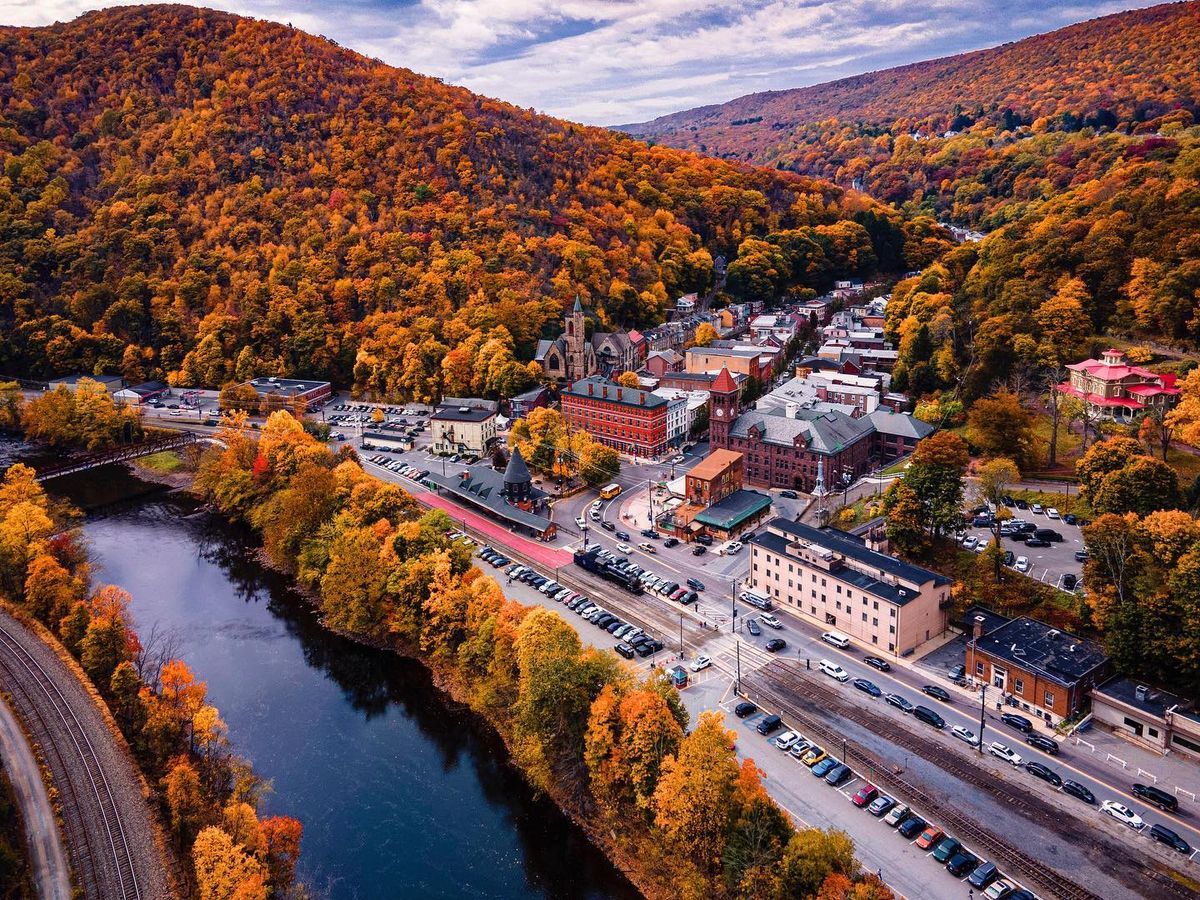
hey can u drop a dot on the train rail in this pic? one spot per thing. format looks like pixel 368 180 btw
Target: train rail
pixel 97 839
pixel 805 702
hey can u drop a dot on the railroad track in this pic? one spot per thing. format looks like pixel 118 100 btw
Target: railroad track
pixel 98 840
pixel 805 701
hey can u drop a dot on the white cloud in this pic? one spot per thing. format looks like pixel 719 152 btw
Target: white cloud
pixel 607 61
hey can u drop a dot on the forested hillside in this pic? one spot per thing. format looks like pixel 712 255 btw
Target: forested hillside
pixel 195 194
pixel 1025 120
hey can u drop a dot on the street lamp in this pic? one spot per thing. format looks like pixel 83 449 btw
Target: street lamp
pixel 681 635
pixel 982 709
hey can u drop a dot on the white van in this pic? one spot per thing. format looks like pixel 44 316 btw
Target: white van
pixel 833 670
pixel 837 639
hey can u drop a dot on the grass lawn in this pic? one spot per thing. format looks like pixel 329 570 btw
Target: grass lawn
pixel 897 468
pixel 165 463
pixel 1068 445
pixel 862 510
pixel 1064 503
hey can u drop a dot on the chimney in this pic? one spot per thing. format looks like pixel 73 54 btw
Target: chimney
pixel 606 391
pixel 978 628
pixel 1052 634
pixel 642 398
pixel 590 389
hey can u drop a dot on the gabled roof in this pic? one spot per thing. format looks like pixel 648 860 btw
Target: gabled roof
pixel 824 431
pixel 724 383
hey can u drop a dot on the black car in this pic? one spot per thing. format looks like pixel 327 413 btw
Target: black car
pixel 1037 770
pixel 644 650
pixel 705 539
pixel 876 663
pixel 899 702
pixel 984 874
pixel 1012 720
pixel 1034 541
pixel 1075 789
pixel 744 709
pixel 695 584
pixel 625 650
pixel 1165 835
pixel 698 550
pixel 623 536
pixel 1009 557
pixel 753 627
pixel 791 495
pixel 1069 518
pixel 1022 504
pixel 1043 743
pixel 961 863
pixel 608 526
pixel 936 692
pixel 775 645
pixel 649 533
pixel 1156 797
pixel 614 626
pixel 911 827
pixel 868 687
pixel 928 716
pixel 838 774
pixel 1069 581
pixel 670 542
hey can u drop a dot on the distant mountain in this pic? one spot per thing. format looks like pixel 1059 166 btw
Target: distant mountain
pixel 190 193
pixel 1137 65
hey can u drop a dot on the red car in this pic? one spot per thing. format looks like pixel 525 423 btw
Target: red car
pixel 865 795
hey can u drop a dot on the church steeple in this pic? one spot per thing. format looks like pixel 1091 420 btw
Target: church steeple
pixel 576 343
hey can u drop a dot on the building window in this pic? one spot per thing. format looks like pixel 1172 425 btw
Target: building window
pixel 1153 732
pixel 874 621
pixel 979 668
pixel 864 617
pixel 891 648
pixel 876 605
pixel 892 612
pixel 813 610
pixel 1185 743
pixel 1049 704
pixel 874 639
pixel 1019 686
pixel 891 629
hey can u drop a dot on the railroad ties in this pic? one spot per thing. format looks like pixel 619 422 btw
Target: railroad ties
pixel 97 841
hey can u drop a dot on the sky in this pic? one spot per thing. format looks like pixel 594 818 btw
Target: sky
pixel 607 62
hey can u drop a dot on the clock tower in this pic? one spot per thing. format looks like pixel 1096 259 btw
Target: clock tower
pixel 723 402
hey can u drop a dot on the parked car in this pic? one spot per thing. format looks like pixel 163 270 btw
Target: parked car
pixel 838 774
pixel 999 890
pixel 1069 581
pixel 769 724
pixel 1052 513
pixel 1165 835
pixel 936 692
pixel 695 584
pixel 833 670
pixel 1022 564
pixel 876 663
pixel 1037 770
pixel 1082 556
pixel 787 740
pixel 744 709
pixel 910 827
pixel 929 837
pixel 624 650
pixel 698 551
pixel 880 805
pixel 1004 752
pixel 1012 720
pixel 1156 797
pixel 1075 789
pixel 1034 541
pixel 899 702
pixel 983 875
pixel 813 755
pixel 868 687
pixel 671 542
pixel 1121 813
pixel 957 674
pixel 928 716
pixel 946 848
pixel 961 863
pixel 970 542
pixel 1042 743
pixel 790 495
pixel 966 735
pixel 897 815
pixel 822 768
pixel 865 795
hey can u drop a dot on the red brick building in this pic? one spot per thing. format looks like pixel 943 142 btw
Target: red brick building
pixel 629 420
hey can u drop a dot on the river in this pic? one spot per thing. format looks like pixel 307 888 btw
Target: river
pixel 402 793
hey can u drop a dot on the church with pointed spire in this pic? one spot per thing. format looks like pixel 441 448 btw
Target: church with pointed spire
pixel 573 355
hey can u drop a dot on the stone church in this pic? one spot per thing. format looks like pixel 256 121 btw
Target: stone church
pixel 572 355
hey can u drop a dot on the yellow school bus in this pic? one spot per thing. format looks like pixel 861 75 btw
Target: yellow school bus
pixel 609 492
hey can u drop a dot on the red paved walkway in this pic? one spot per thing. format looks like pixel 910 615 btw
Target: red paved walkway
pixel 497 535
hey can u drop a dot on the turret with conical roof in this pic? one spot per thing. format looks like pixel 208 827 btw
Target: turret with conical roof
pixel 517 481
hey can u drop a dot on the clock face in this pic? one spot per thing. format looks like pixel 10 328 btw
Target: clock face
pixel 720 412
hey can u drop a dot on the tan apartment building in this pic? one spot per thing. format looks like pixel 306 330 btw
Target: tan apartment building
pixel 835 580
pixel 465 428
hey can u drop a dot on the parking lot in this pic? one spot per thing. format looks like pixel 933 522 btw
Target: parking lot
pixel 1046 564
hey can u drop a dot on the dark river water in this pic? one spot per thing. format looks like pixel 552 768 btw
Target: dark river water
pixel 402 794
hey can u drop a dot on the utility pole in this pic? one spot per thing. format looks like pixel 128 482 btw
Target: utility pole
pixel 738 649
pixel 650 494
pixel 681 635
pixel 733 604
pixel 982 710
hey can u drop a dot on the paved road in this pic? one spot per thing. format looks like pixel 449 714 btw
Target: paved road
pixel 48 859
pixel 107 821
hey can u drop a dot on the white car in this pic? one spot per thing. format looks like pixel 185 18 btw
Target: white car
pixel 579 522
pixel 1052 513
pixel 733 547
pixel 624 548
pixel 970 542
pixel 699 663
pixel 597 504
pixel 770 621
pixel 966 735
pixel 786 740
pixel 1121 813
pixel 1036 509
pixel 1001 887
pixel 677 459
pixel 595 516
pixel 1005 752
pixel 1022 564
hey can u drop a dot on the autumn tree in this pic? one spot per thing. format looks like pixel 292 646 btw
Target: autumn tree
pixel 704 335
pixel 935 476
pixel 1000 426
pixel 224 870
pixel 629 380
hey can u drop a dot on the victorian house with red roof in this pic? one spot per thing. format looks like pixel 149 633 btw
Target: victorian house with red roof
pixel 1114 389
